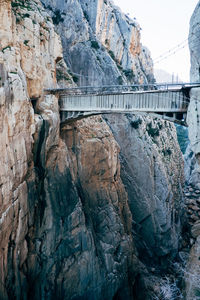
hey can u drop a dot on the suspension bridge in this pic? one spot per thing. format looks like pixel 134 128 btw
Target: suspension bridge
pixel 169 101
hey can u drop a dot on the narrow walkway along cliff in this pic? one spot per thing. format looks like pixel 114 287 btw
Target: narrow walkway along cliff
pixel 93 209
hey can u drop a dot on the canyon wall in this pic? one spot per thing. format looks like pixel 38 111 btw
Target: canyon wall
pixel 101 45
pixel 149 156
pixel 193 163
pixel 193 113
pixel 29 50
pixel 90 209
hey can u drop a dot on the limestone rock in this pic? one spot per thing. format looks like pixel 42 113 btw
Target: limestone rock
pixel 55 241
pixel 148 158
pixel 196 229
pixel 194 108
pixel 194 45
pixel 105 41
pixel 192 276
pixel 68 216
pixel 29 51
pixel 96 173
pixel 193 119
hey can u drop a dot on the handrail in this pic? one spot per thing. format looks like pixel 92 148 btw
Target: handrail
pixel 133 87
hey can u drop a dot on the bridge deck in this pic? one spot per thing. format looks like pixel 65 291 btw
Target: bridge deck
pixel 169 99
pixel 148 101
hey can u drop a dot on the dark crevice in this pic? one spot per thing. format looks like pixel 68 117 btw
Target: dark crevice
pixel 40 170
pixel 34 102
pixel 90 220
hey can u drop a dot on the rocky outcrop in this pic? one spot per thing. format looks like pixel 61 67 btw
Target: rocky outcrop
pixel 149 156
pixel 103 238
pixel 142 191
pixel 192 201
pixel 193 112
pixel 26 68
pixel 193 164
pixel 194 45
pixel 193 273
pixel 101 44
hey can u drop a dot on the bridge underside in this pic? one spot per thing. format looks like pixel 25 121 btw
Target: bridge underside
pixel 176 117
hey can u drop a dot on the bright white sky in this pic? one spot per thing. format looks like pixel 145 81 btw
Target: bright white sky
pixel 165 24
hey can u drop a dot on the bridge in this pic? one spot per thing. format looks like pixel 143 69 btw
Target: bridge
pixel 169 101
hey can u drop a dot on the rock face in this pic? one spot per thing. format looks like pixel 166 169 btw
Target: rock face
pixel 194 45
pixel 101 239
pixel 193 163
pixel 76 220
pixel 148 159
pixel 144 195
pixel 193 273
pixel 26 68
pixel 193 113
pixel 101 44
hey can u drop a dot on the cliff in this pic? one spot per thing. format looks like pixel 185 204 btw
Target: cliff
pixel 29 51
pixel 193 164
pixel 101 45
pixel 193 113
pixel 89 209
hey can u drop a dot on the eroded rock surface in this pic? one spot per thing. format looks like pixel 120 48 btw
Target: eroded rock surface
pixel 193 164
pixel 152 203
pixel 26 68
pixel 101 44
pixel 193 273
pixel 72 209
pixel 149 155
pixel 193 112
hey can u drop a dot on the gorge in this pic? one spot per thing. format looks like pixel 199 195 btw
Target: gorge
pixel 96 208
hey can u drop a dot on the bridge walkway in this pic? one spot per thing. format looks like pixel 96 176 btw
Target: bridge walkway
pixel 171 100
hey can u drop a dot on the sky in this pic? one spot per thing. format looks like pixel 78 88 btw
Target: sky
pixel 165 24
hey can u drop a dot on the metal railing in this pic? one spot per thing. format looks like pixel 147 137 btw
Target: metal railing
pixel 113 89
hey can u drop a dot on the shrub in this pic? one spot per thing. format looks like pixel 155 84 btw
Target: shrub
pixel 120 80
pixel 61 76
pixel 135 124
pixel 119 67
pixel 14 4
pixel 8 47
pixel 95 45
pixel 112 55
pixel 25 16
pixel 152 131
pixel 26 42
pixel 129 74
pixel 57 18
pixel 86 16
pixel 167 152
pixel 75 78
